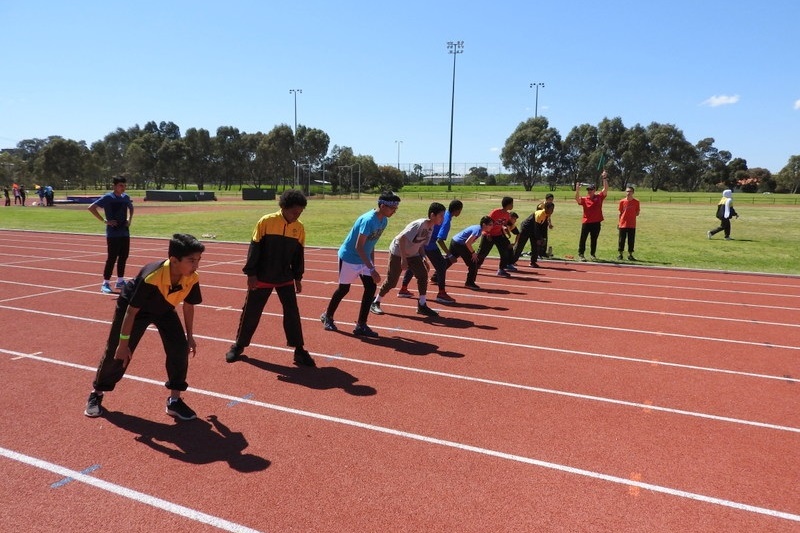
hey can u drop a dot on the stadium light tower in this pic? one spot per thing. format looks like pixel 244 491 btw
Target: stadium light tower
pixel 536 109
pixel 296 165
pixel 398 153
pixel 455 48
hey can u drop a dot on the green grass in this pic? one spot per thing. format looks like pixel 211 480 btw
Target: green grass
pixel 670 233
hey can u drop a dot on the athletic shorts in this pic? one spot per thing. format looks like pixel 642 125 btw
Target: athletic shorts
pixel 349 272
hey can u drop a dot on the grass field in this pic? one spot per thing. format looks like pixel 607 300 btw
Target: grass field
pixel 671 229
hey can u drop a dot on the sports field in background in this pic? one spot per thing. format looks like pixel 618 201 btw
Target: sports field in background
pixel 671 229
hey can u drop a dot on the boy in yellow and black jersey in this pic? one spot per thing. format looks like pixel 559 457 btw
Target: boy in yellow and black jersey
pixel 275 260
pixel 151 298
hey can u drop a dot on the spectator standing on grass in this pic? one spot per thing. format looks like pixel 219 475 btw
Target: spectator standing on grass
pixel 463 245
pixel 725 212
pixel 7 197
pixel 23 195
pixel 151 298
pixel 275 260
pixel 498 238
pixel 117 216
pixel 407 250
pixel 15 190
pixel 433 251
pixel 592 220
pixel 40 193
pixel 357 261
pixel 628 211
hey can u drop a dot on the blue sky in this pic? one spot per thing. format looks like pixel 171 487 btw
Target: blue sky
pixel 373 73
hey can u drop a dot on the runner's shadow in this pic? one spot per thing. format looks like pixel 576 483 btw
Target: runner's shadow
pixel 195 442
pixel 412 347
pixel 323 378
pixel 477 307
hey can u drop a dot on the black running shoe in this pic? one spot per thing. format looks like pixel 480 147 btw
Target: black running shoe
pixel 303 358
pixel 234 354
pixel 178 409
pixel 363 330
pixel 425 310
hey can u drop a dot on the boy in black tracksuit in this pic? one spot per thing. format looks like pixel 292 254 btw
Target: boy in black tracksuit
pixel 275 260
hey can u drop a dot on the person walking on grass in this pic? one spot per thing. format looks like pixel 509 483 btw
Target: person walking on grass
pixel 357 261
pixel 117 216
pixel 151 298
pixel 407 250
pixel 275 260
pixel 433 251
pixel 628 211
pixel 592 220
pixel 725 212
pixel 462 246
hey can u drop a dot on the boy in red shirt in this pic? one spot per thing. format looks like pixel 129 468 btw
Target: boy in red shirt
pixel 592 205
pixel 497 237
pixel 628 211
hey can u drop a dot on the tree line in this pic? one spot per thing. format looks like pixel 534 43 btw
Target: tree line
pixel 657 156
pixel 158 156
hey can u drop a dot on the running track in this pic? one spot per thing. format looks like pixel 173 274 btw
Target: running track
pixel 579 397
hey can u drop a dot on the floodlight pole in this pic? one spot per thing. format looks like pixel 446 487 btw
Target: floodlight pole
pixel 398 153
pixel 296 169
pixel 455 48
pixel 536 109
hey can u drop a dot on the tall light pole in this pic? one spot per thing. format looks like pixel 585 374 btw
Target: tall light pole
pixel 455 48
pixel 536 109
pixel 398 153
pixel 296 168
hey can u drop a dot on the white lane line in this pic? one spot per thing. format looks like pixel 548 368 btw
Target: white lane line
pixel 459 446
pixel 636 360
pixel 158 503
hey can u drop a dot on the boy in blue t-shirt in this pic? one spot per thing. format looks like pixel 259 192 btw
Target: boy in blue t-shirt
pixel 357 260
pixel 462 246
pixel 118 215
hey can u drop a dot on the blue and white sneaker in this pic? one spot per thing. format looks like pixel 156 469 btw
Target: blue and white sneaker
pixel 120 283
pixel 105 288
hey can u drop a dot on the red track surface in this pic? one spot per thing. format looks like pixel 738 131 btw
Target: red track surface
pixel 577 397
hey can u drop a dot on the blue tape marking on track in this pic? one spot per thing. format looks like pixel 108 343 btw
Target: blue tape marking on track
pixel 245 397
pixel 66 480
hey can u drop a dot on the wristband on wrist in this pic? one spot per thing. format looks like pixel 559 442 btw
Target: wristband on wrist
pixel 124 337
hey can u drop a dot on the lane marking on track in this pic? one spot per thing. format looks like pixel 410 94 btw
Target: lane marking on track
pixel 237 402
pixel 451 444
pixel 125 492
pixel 651 362
pixel 66 480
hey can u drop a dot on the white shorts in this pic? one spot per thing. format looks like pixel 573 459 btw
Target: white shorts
pixel 349 272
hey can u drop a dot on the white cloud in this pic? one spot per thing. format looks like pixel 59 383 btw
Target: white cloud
pixel 797 104
pixel 722 99
pixel 494 149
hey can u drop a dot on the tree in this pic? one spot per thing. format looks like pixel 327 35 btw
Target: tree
pixel 712 166
pixel 275 152
pixel 575 158
pixel 671 155
pixel 230 152
pixel 476 175
pixel 390 177
pixel 788 179
pixel 63 161
pixel 532 147
pixel 310 147
pixel 199 164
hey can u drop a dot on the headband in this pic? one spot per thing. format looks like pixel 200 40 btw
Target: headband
pixel 388 204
